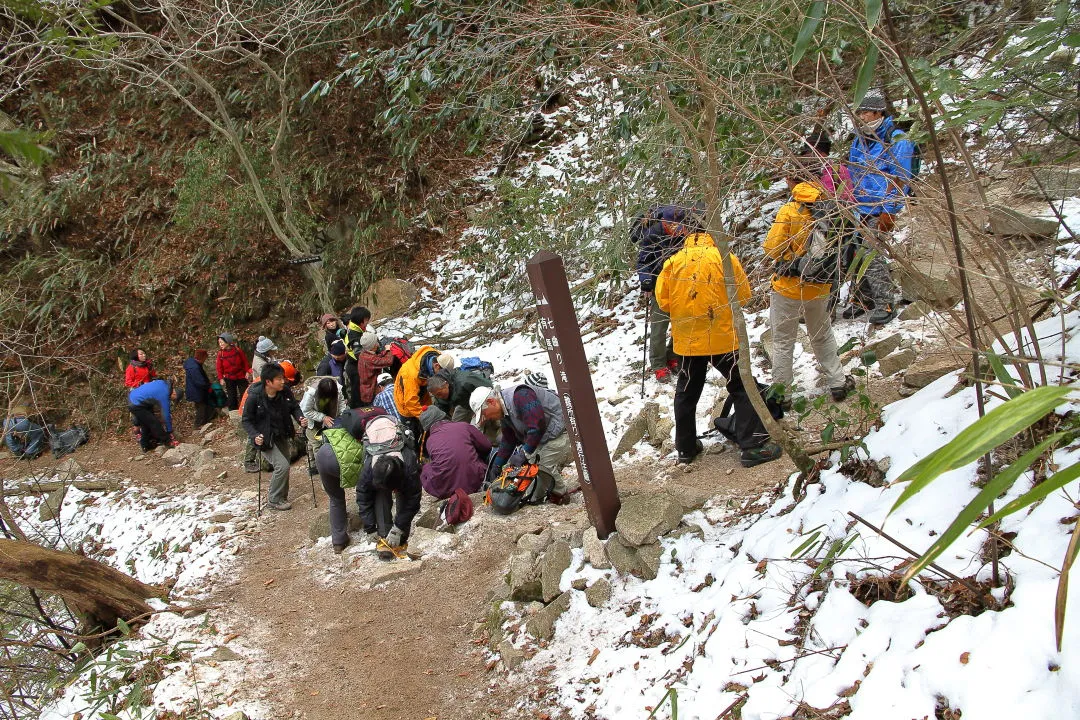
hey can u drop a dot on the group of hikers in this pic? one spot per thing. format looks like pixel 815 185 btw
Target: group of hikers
pixel 838 217
pixel 393 421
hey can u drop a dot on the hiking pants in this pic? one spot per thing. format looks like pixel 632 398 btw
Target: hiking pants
pixel 376 508
pixel 660 351
pixel 749 431
pixel 153 432
pixel 279 477
pixel 876 289
pixel 330 475
pixel 784 320
pixel 203 414
pixel 351 371
pixel 234 389
pixel 552 457
pixel 24 438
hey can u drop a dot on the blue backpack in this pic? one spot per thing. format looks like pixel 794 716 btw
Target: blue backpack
pixel 475 363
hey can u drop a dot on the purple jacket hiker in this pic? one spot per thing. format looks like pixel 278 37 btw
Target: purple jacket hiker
pixel 458 455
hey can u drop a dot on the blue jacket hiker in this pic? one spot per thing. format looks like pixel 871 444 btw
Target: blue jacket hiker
pixel 143 401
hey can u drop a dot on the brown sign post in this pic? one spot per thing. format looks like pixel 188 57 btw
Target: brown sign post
pixel 573 382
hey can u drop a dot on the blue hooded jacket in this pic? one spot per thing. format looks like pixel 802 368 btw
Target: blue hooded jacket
pixel 196 382
pixel 877 166
pixel 154 391
pixel 655 245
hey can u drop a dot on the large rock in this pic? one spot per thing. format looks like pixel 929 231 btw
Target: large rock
pixel 320 526
pixel 1052 182
pixel 927 370
pixel 916 310
pixel 661 432
pixel 173 455
pixel 388 297
pixel 511 656
pixel 689 497
pixel 204 458
pixel 524 577
pixel 917 285
pixel 542 625
pixel 69 469
pixel 50 506
pixel 430 518
pixel 644 518
pixel 635 432
pixel 593 548
pixel 535 542
pixel 1006 222
pixel 555 563
pixel 897 361
pixel 884 346
pixel 650 555
pixel 598 593
pixel 640 561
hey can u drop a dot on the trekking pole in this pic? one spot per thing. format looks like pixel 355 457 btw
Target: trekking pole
pixel 645 348
pixel 258 508
pixel 310 467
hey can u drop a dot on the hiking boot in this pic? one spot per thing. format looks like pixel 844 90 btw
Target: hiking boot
pixel 756 456
pixel 279 505
pixel 663 375
pixel 385 555
pixel 685 459
pixel 338 549
pixel 839 394
pixel 852 311
pixel 251 466
pixel 884 314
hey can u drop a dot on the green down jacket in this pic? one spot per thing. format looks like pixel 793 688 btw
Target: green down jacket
pixel 347 447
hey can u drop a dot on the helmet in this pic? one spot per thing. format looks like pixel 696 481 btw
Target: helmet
pixel 291 376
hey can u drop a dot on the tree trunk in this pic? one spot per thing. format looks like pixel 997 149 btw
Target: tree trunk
pixel 97 593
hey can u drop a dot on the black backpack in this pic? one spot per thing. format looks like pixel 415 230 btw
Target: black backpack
pixel 831 233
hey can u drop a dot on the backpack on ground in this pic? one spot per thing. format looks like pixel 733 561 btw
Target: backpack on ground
pixel 512 488
pixel 218 398
pixel 458 508
pixel 66 441
pixel 831 232
pixel 475 363
pixel 725 421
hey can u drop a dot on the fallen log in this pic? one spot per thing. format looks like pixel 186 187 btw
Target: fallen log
pixel 44 488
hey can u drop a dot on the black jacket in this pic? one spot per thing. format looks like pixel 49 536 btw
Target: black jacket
pixel 270 417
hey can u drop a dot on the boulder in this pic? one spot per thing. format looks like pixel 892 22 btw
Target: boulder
pixel 917 285
pixel 69 469
pixel 189 450
pixel 429 542
pixel 593 548
pixel 511 657
pixel 661 432
pixel 173 455
pixel 897 361
pixel 524 577
pixel 884 346
pixel 650 555
pixel 916 310
pixel 925 371
pixel 641 561
pixel 598 593
pixel 568 532
pixel 50 506
pixel 690 498
pixel 633 435
pixel 320 526
pixel 684 530
pixel 644 518
pixel 1052 182
pixel 388 297
pixel 206 456
pixel 430 518
pixel 579 584
pixel 534 542
pixel 542 625
pixel 1006 222
pixel 555 562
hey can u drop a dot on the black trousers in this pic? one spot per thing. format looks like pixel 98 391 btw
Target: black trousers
pixel 749 431
pixel 153 432
pixel 330 475
pixel 235 390
pixel 203 414
pixel 352 383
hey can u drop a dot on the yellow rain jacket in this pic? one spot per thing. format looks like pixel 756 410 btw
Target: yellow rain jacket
pixel 690 288
pixel 788 238
pixel 410 392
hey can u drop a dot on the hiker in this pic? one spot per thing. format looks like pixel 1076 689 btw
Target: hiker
pixel 402 350
pixel 140 370
pixel 384 396
pixel 322 404
pixel 691 289
pixel 263 349
pixel 456 452
pixel 834 178
pixel 143 401
pixel 410 386
pixel 660 234
pixel 880 160
pixel 531 417
pixel 340 460
pixel 359 317
pixel 332 329
pixel 232 368
pixel 370 363
pixel 294 446
pixel 197 388
pixel 391 473
pixel 790 238
pixel 333 363
pixel 267 419
pixel 452 389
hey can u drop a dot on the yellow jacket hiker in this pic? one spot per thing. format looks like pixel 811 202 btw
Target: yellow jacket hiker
pixel 691 289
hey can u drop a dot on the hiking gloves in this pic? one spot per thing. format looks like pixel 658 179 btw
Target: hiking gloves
pixel 393 538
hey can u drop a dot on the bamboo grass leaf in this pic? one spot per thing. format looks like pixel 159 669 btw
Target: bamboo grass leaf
pixel 806 32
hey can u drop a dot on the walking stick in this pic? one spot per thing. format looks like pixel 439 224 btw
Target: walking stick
pixel 258 508
pixel 312 471
pixel 645 348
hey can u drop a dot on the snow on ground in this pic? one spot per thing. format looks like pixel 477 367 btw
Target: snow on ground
pixel 186 537
pixel 723 617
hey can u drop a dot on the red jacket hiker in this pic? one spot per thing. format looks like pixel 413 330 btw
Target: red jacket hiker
pixel 232 364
